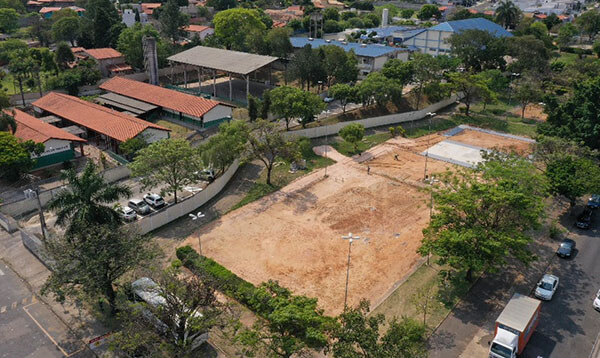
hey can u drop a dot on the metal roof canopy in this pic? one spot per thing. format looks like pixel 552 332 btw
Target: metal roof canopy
pixel 126 103
pixel 75 130
pixel 518 312
pixel 241 63
pixel 50 119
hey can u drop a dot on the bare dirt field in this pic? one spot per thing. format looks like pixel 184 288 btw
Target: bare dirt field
pixel 294 236
pixel 491 141
pixel 532 111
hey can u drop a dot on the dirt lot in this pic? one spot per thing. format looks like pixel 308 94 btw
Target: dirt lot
pixel 491 141
pixel 532 111
pixel 294 235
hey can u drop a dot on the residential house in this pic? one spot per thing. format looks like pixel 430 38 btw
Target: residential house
pixel 110 61
pixel 198 31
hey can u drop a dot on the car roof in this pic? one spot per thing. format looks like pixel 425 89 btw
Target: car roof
pixel 137 201
pixel 126 209
pixel 153 195
pixel 568 241
pixel 549 278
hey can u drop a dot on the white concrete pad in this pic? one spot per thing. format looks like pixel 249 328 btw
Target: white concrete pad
pixel 456 153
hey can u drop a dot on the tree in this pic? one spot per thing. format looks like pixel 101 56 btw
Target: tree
pixel 7 117
pixel 526 92
pixel 340 66
pixel 357 334
pixel 331 14
pixel 267 144
pixel 306 105
pixel 485 215
pixel 223 148
pixel 422 300
pixel 189 310
pixel 265 105
pixel 398 70
pixel 232 26
pixel 565 35
pixel 9 20
pixel 573 177
pixel 507 14
pixel 379 88
pixel 530 53
pixel 307 66
pixel 478 49
pixel 221 5
pixel 589 23
pixel 291 324
pixel 252 108
pixel 131 146
pixel 425 70
pixel 172 21
pixel 92 259
pixel 278 41
pixel 282 100
pixel 131 46
pixel 344 93
pixel 171 162
pixel 63 55
pixel 66 29
pixel 471 86
pixel 428 11
pixel 15 155
pixel 596 48
pixel 21 65
pixel 353 134
pixel 88 202
pixel 13 4
pixel 100 16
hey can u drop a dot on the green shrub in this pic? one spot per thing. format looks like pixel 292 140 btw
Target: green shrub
pixel 400 131
pixel 392 131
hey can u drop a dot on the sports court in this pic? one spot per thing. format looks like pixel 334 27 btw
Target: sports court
pixel 294 235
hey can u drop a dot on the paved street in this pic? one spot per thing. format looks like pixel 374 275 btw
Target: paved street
pixel 27 327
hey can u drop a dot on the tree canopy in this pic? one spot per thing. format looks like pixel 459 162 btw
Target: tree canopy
pixel 131 46
pixel 15 155
pixel 234 25
pixel 478 49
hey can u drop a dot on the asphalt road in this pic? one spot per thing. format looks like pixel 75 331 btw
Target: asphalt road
pixel 28 328
pixel 569 324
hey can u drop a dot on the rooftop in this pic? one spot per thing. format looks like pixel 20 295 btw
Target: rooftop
pixel 223 60
pixel 93 116
pixel 381 32
pixel 518 311
pixel 477 23
pixel 160 96
pixel 196 28
pixel 103 53
pixel 128 104
pixel 364 50
pixel 31 128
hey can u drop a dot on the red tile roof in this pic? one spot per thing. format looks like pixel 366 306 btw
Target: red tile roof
pixel 196 28
pixel 100 119
pixel 148 8
pixel 103 53
pixel 119 67
pixel 77 49
pixel 49 9
pixel 159 96
pixel 31 128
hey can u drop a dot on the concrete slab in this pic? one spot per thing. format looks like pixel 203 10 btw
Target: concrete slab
pixel 457 153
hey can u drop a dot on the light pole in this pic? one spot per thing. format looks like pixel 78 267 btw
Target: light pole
pixel 430 209
pixel 194 218
pixel 350 239
pixel 430 115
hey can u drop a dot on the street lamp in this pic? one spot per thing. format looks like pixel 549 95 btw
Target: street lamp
pixel 431 181
pixel 350 239
pixel 194 218
pixel 430 115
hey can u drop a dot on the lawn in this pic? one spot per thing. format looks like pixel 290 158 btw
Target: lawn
pixel 280 177
pixel 177 131
pixel 8 85
pixel 369 141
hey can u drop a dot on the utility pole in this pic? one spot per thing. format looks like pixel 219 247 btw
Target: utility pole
pixel 40 212
pixel 429 114
pixel 194 218
pixel 350 239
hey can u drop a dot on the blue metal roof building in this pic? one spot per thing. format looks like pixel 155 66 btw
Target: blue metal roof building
pixel 477 23
pixel 363 50
pixel 382 32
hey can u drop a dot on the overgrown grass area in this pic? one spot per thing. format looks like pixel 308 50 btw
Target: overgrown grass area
pixel 567 58
pixel 280 177
pixel 7 84
pixel 177 131
pixel 369 141
pixel 426 281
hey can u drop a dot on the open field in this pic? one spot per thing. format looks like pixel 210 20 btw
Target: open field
pixel 294 234
pixel 486 140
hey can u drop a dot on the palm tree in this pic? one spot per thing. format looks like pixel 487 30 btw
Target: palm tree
pixel 507 13
pixel 87 199
pixel 7 121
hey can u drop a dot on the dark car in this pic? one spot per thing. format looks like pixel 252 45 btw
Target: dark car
pixel 585 218
pixel 566 248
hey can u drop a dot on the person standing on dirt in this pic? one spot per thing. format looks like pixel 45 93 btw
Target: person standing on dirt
pixel 368 170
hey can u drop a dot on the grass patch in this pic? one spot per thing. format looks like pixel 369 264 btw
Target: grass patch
pixel 177 131
pixel 567 58
pixel 444 296
pixel 369 141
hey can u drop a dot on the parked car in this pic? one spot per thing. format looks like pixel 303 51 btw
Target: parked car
pixel 328 99
pixel 594 201
pixel 566 248
pixel 206 175
pixel 127 213
pixel 154 200
pixel 597 301
pixel 139 206
pixel 546 287
pixel 584 219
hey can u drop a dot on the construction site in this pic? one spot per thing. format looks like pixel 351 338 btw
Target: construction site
pixel 295 235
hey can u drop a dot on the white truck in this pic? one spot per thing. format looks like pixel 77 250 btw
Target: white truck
pixel 514 326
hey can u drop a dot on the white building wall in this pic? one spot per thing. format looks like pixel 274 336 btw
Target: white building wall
pixel 218 112
pixel 432 42
pixel 128 17
pixel 53 146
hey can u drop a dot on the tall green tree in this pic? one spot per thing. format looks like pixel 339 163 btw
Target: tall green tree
pixel 353 134
pixel 9 20
pixel 67 29
pixel 21 65
pixel 566 33
pixel 88 201
pixel 426 69
pixel 307 67
pixel 232 26
pixel 63 55
pixel 530 53
pixel 16 155
pixel 91 260
pixel 589 23
pixel 358 334
pixel 340 66
pixel 573 177
pixel 278 41
pixel 507 14
pixel 172 21
pixel 478 49
pixel 172 162
pixel 100 16
pixel 471 86
pixel 527 91
pixel 399 70
pixel 344 93
pixel 7 117
pixel 485 215
pixel 223 148
pixel 131 46
pixel 429 11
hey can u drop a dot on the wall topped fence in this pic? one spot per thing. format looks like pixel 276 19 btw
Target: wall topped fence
pixel 372 122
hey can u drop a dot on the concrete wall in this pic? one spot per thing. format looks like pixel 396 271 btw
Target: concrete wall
pixel 20 207
pixel 188 205
pixel 372 122
pixel 35 245
pixel 8 223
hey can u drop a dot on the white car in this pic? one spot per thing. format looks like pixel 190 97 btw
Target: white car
pixel 154 200
pixel 128 214
pixel 597 301
pixel 546 287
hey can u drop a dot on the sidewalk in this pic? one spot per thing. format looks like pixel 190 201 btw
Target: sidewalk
pixel 70 319
pixel 470 326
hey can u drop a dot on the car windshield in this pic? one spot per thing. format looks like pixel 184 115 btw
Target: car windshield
pixel 546 286
pixel 565 245
pixel 500 350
